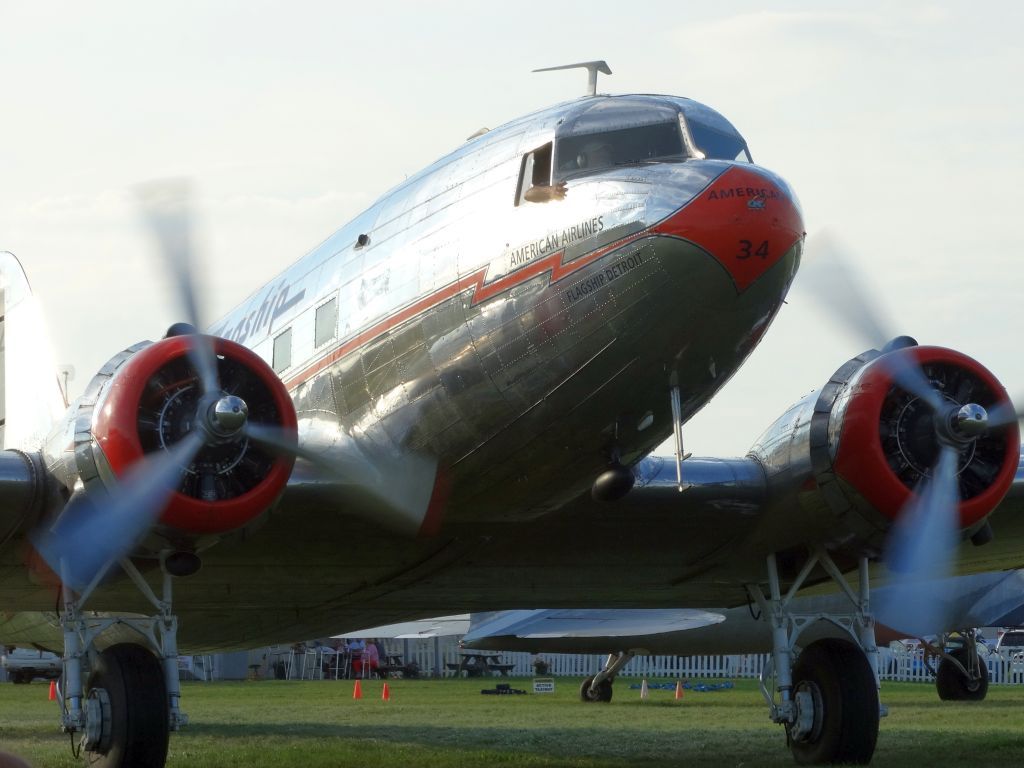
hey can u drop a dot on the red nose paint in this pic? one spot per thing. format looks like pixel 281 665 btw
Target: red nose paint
pixel 742 219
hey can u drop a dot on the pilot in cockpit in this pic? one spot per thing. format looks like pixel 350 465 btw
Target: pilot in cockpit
pixel 592 156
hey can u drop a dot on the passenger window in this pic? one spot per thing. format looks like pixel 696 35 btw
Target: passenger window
pixel 282 351
pixel 535 172
pixel 326 324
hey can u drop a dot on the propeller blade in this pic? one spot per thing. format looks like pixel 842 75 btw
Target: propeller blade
pixel 350 469
pixel 96 530
pixel 167 212
pixel 920 553
pixel 1004 414
pixel 905 371
pixel 829 278
pixel 281 442
pixel 393 490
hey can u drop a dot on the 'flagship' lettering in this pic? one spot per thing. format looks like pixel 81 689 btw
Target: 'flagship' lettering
pixel 275 303
pixel 585 288
pixel 614 272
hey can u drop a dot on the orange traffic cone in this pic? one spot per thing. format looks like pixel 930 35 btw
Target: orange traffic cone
pixel 643 690
pixel 386 693
pixel 53 690
pixel 357 692
pixel 679 689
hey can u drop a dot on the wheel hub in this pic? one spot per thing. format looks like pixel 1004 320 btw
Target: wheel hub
pixel 97 721
pixel 809 712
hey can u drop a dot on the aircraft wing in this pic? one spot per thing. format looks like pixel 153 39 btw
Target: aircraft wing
pixel 442 626
pixel 543 625
pixel 979 600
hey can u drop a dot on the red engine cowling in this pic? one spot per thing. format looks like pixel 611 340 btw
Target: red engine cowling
pixel 146 398
pixel 872 442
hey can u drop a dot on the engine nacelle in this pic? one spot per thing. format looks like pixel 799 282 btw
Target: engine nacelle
pixel 145 399
pixel 859 447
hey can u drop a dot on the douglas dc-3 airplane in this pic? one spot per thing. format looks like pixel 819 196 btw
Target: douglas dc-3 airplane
pixel 449 404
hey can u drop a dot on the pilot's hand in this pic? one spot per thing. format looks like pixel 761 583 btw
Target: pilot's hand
pixel 543 193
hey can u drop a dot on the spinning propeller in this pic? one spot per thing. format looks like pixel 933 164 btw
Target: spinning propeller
pixel 212 425
pixel 921 543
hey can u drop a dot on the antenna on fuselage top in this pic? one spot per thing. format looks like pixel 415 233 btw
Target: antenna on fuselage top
pixel 592 67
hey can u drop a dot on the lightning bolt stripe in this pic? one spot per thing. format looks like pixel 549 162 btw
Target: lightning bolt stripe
pixel 677 224
pixel 479 291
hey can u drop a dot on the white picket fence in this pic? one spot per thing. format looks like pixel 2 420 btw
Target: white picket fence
pixel 314 664
pixel 904 666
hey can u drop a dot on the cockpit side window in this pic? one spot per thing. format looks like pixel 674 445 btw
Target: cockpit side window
pixel 534 174
pixel 596 151
pixel 542 165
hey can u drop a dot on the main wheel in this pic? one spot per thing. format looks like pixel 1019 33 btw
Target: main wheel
pixel 953 685
pixel 127 688
pixel 602 694
pixel 837 705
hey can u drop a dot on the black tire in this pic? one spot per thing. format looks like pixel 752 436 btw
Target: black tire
pixel 603 694
pixel 139 725
pixel 951 683
pixel 18 678
pixel 838 673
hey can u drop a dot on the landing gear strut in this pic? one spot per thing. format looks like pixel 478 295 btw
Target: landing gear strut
pixel 599 687
pixel 126 710
pixel 828 698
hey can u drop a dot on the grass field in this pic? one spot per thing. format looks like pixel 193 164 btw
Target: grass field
pixel 448 723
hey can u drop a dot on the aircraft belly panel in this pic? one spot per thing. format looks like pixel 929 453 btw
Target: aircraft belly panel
pixel 675 304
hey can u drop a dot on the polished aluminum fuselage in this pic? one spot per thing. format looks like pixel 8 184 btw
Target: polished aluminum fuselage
pixel 518 345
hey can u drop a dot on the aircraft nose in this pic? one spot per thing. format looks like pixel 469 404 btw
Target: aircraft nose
pixel 747 218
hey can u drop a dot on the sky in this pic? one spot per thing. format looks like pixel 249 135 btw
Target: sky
pixel 896 124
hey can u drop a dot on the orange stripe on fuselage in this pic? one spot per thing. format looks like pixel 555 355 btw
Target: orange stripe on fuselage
pixel 693 221
pixel 479 290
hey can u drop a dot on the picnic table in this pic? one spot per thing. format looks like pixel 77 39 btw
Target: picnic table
pixel 393 666
pixel 476 664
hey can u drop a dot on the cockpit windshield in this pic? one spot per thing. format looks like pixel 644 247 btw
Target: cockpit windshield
pixel 626 146
pixel 717 145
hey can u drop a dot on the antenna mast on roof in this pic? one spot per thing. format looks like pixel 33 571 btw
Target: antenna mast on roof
pixel 592 67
